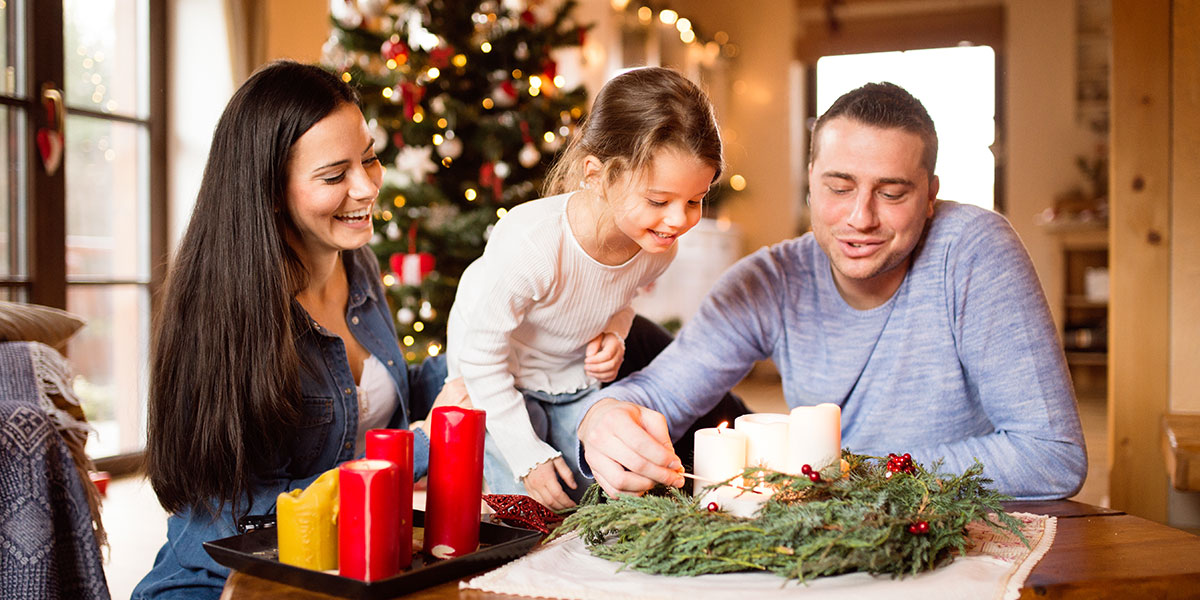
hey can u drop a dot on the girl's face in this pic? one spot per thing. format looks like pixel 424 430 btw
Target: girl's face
pixel 654 210
pixel 333 179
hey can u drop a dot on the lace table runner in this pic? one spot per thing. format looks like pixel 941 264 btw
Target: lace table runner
pixel 995 566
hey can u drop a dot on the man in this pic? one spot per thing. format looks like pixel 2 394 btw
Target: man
pixel 922 319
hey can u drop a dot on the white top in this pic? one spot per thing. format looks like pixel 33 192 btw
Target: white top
pixel 376 400
pixel 523 316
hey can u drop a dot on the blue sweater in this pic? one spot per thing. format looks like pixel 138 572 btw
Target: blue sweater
pixel 963 362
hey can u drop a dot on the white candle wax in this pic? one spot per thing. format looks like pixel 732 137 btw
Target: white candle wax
pixel 766 439
pixel 814 436
pixel 737 502
pixel 720 453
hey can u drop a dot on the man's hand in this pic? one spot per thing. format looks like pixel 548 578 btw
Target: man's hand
pixel 604 355
pixel 543 486
pixel 628 447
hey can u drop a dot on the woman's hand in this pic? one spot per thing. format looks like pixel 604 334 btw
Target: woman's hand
pixel 604 355
pixel 454 393
pixel 543 485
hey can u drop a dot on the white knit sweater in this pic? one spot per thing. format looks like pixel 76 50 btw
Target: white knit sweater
pixel 523 316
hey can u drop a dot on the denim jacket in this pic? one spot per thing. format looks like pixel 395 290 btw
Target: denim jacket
pixel 325 438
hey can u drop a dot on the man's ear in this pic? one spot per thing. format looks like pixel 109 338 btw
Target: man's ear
pixel 934 185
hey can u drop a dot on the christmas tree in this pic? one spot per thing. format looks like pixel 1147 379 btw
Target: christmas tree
pixel 467 109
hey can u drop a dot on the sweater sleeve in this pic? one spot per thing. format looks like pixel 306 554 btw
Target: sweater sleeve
pixel 736 325
pixel 511 279
pixel 1013 362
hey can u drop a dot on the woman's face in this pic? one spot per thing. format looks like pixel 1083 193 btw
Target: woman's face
pixel 333 179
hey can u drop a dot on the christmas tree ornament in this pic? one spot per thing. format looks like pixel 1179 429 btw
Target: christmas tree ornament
pixel 346 13
pixel 412 267
pixel 393 231
pixel 450 147
pixel 522 51
pixel 521 510
pixel 372 8
pixel 405 315
pixel 426 311
pixel 505 95
pixel 502 169
pixel 488 178
pixel 411 95
pixel 529 156
pixel 414 164
pixel 394 49
pixel 379 135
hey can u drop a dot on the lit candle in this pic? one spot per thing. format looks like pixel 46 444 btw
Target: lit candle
pixel 452 503
pixel 307 526
pixel 368 523
pixel 814 436
pixel 396 445
pixel 766 439
pixel 720 453
pixel 736 501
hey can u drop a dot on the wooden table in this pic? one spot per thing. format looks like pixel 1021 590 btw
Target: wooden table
pixel 1097 553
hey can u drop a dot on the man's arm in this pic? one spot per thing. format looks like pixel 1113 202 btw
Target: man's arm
pixel 1013 361
pixel 628 447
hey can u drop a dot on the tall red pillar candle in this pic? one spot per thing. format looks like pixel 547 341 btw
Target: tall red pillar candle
pixel 368 522
pixel 452 503
pixel 396 445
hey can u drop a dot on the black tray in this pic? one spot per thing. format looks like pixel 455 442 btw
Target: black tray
pixel 256 553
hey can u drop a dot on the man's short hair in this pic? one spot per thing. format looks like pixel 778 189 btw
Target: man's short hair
pixel 887 106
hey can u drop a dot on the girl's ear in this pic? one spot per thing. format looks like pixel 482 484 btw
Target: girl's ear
pixel 593 170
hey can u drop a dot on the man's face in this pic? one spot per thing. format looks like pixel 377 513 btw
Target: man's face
pixel 870 198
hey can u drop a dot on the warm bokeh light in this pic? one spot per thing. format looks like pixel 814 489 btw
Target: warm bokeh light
pixel 737 182
pixel 668 17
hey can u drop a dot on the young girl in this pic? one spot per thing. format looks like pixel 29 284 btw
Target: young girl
pixel 540 320
pixel 274 348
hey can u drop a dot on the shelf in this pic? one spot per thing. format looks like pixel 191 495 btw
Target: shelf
pixel 1080 301
pixel 1087 359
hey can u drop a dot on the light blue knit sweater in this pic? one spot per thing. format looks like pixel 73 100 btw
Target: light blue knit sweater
pixel 963 362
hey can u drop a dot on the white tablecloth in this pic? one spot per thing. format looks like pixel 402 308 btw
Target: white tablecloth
pixel 995 566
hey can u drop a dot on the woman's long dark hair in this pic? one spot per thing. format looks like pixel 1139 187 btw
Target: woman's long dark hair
pixel 224 384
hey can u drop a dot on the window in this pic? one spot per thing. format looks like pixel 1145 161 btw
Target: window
pixel 82 222
pixel 957 86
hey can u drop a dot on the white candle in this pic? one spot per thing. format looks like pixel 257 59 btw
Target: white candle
pixel 720 453
pixel 814 436
pixel 737 502
pixel 766 439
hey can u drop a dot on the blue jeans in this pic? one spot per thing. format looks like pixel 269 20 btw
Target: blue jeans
pixel 554 417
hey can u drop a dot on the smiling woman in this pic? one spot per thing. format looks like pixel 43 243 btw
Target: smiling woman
pixel 275 350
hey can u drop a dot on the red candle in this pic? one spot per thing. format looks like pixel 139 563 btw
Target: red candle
pixel 452 504
pixel 396 445
pixel 368 522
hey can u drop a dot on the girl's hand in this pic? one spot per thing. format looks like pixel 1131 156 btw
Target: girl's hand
pixel 604 355
pixel 543 486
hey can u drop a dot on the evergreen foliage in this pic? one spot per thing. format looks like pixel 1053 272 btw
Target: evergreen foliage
pixel 859 521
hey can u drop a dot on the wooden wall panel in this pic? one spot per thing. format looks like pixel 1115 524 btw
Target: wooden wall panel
pixel 1140 242
pixel 1185 209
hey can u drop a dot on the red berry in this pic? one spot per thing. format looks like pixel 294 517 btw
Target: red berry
pixel 713 507
pixel 922 527
pixel 814 477
pixel 907 457
pixel 912 529
pixel 806 469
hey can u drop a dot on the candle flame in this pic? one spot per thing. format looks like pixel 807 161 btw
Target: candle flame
pixel 723 426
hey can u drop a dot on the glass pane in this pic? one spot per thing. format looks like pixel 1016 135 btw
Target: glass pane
pixel 13 294
pixel 958 88
pixel 107 199
pixel 104 46
pixel 109 357
pixel 11 47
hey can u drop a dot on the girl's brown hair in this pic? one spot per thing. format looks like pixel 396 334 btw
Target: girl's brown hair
pixel 636 114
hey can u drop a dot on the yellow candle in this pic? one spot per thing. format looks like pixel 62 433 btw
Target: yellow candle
pixel 307 524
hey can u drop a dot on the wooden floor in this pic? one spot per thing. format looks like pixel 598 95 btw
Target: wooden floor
pixel 137 524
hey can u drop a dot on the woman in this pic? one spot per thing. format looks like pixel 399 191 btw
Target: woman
pixel 274 350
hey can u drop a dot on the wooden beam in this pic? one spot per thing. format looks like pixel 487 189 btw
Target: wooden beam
pixel 1140 242
pixel 1185 209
